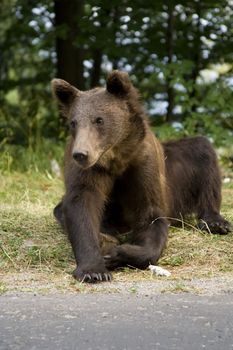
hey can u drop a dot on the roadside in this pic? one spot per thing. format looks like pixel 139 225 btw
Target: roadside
pixel 46 284
pixel 113 321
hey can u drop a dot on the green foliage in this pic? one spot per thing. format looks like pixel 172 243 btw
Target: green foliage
pixel 38 157
pixel 27 47
pixel 165 45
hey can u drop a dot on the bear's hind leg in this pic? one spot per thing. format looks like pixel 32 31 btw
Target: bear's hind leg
pixel 214 223
pixel 208 210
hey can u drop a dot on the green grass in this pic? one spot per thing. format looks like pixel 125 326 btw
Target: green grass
pixel 35 254
pixel 30 237
pixel 34 158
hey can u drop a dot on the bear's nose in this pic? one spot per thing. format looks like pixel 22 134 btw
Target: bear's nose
pixel 80 157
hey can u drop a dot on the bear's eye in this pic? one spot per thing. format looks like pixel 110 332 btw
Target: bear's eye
pixel 99 121
pixel 73 124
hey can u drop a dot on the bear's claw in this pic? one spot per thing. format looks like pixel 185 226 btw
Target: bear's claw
pixel 92 277
pixel 221 227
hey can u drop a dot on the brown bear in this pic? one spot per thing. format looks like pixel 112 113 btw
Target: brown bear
pixel 119 178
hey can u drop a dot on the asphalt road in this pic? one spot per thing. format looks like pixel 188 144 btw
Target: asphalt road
pixel 116 321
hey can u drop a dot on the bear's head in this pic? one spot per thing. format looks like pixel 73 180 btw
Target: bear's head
pixel 100 119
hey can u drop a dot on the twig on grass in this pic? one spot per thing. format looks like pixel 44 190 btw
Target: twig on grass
pixel 183 223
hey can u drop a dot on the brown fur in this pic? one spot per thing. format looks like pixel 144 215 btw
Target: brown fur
pixel 119 178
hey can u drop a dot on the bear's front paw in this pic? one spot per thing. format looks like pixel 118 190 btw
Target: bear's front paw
pixel 91 275
pixel 113 259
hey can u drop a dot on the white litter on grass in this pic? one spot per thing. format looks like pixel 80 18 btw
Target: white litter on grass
pixel 56 170
pixel 159 271
pixel 226 180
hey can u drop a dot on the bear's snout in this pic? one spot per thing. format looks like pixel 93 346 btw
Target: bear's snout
pixel 81 157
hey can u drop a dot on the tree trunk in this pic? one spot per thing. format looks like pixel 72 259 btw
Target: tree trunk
pixel 70 53
pixel 115 63
pixel 115 22
pixel 170 49
pixel 96 71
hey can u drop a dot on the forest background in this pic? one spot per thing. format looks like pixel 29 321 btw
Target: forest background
pixel 178 53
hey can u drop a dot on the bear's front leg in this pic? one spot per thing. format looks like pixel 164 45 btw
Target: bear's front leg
pixel 82 221
pixel 146 248
pixel 142 193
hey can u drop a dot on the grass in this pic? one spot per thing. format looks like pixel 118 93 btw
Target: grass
pixel 35 254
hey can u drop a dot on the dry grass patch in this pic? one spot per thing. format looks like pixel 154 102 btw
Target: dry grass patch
pixel 35 254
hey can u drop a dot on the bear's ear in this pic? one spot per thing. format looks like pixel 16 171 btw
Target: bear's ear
pixel 63 91
pixel 118 83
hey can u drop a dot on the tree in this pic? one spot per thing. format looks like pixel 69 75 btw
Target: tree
pixel 70 52
pixel 165 46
